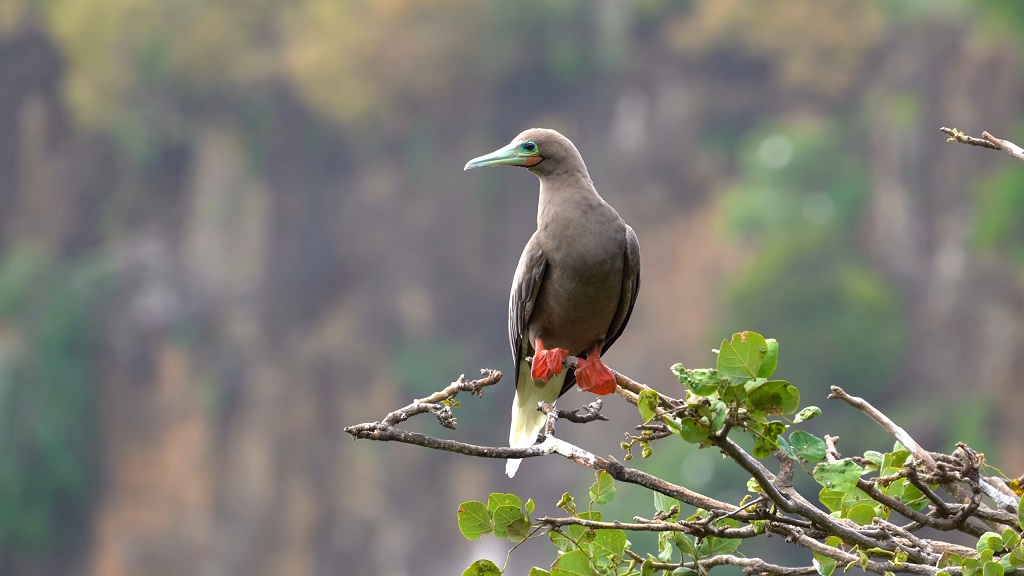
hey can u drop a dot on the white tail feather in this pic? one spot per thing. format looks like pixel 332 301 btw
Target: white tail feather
pixel 526 419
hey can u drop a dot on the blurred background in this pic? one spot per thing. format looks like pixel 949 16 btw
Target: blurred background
pixel 230 229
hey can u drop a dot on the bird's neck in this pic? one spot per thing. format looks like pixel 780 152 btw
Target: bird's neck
pixel 566 191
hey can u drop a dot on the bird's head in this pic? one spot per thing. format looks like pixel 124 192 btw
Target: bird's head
pixel 541 150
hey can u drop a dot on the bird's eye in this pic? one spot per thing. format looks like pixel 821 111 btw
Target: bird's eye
pixel 529 146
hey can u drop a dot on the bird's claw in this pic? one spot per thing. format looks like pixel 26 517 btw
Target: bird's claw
pixel 593 376
pixel 547 363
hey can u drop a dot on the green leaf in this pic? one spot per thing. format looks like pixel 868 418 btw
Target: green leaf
pixel 785 446
pixel 875 458
pixel 665 546
pixel 754 487
pixel 832 499
pixel 561 541
pixel 603 491
pixel 518 530
pixel 1020 512
pixel 663 503
pixel 893 462
pixel 862 514
pixel 1016 556
pixel 774 397
pixel 538 572
pixel 574 563
pixel 685 545
pixel 712 546
pixel 702 382
pixel 823 564
pixel 990 541
pixel 806 414
pixel 1010 538
pixel 691 430
pixel 498 499
pixel 530 504
pixel 482 568
pixel 719 412
pixel 740 358
pixel 609 543
pixel 474 519
pixel 840 475
pixel 503 516
pixel 647 568
pixel 581 534
pixel 771 359
pixel 567 503
pixel 767 441
pixel 684 571
pixel 993 569
pixel 647 403
pixel 808 446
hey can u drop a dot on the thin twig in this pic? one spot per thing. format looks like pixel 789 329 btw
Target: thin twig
pixel 888 425
pixel 698 529
pixel 958 136
pixel 1005 145
pixel 986 141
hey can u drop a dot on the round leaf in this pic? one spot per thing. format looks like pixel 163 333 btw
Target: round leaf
pixel 692 430
pixel 806 414
pixel 841 475
pixel 774 396
pixel 862 514
pixel 771 359
pixel 647 403
pixel 603 491
pixel 740 358
pixel 609 543
pixel 503 517
pixel 474 519
pixel 808 446
pixel 482 568
pixel 574 563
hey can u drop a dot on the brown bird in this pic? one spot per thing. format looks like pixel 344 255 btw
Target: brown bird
pixel 576 282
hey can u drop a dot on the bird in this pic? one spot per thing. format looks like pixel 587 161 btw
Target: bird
pixel 575 285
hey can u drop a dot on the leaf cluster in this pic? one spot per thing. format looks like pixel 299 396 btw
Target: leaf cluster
pixel 866 496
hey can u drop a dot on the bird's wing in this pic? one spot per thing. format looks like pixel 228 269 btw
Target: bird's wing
pixel 525 285
pixel 630 288
pixel 627 297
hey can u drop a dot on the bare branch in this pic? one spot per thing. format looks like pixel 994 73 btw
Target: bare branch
pixel 591 412
pixel 434 403
pixel 986 141
pixel 1005 145
pixel 888 425
pixel 756 566
pixel 958 136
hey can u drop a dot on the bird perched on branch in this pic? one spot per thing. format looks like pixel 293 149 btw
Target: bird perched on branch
pixel 575 285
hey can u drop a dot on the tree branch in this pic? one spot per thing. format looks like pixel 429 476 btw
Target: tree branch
pixel 888 425
pixel 698 529
pixel 986 141
pixel 875 548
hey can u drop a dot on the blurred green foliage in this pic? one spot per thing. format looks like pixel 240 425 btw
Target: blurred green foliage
pixel 800 192
pixel 999 219
pixel 47 341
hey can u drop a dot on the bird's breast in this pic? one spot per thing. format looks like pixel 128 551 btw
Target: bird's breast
pixel 577 301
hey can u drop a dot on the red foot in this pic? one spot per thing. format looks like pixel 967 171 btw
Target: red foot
pixel 547 362
pixel 593 376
